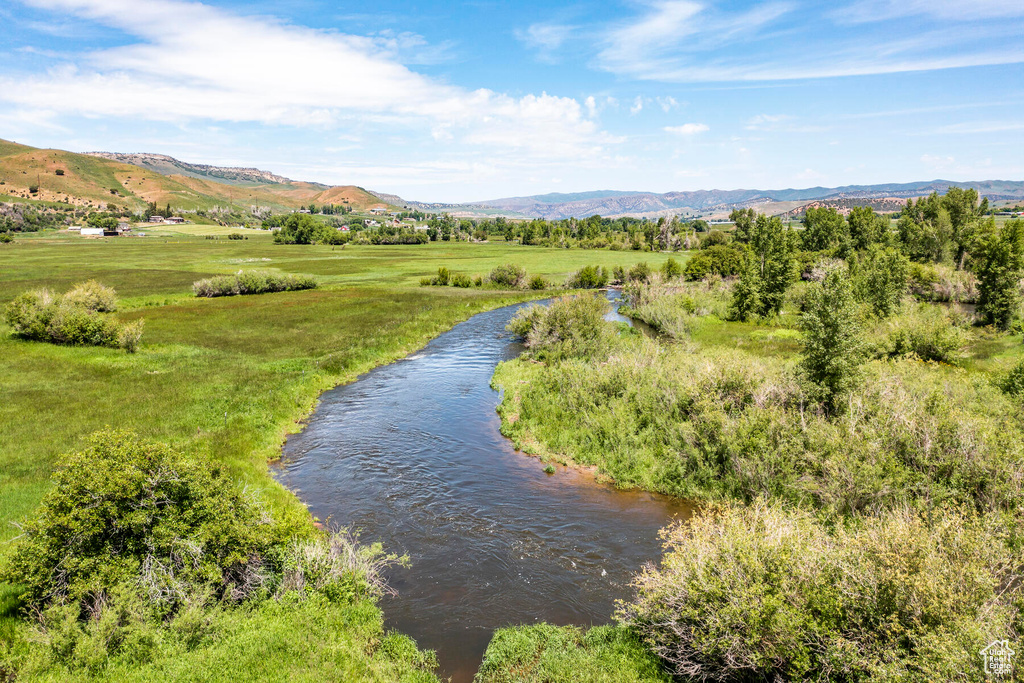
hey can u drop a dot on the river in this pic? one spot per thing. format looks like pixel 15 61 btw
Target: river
pixel 411 455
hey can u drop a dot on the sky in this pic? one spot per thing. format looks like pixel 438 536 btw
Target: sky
pixel 465 101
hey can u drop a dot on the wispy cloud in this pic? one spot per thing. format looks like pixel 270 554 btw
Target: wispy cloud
pixel 545 39
pixel 194 61
pixel 687 129
pixel 688 41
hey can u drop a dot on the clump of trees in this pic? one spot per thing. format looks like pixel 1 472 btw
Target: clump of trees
pixel 74 318
pixel 251 282
pixel 588 277
pixel 300 228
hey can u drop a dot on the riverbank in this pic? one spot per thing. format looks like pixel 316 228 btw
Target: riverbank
pixel 222 380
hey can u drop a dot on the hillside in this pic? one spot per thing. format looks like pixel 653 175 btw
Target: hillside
pixel 165 165
pixel 91 180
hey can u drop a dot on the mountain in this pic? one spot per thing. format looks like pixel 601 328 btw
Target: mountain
pixel 165 165
pixel 133 180
pixel 712 202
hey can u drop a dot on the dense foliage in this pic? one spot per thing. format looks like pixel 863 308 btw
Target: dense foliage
pixel 300 228
pixel 73 319
pixel 767 593
pixel 251 282
pixel 138 551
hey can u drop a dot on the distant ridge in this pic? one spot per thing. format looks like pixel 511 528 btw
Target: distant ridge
pixel 167 165
pixel 617 203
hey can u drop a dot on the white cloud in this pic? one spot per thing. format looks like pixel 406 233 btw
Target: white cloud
pixel 546 39
pixel 865 11
pixel 194 61
pixel 686 41
pixel 687 129
pixel 667 104
pixel 638 106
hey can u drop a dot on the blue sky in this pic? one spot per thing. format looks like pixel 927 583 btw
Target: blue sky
pixel 443 101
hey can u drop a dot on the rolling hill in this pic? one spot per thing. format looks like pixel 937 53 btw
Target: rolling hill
pixel 133 180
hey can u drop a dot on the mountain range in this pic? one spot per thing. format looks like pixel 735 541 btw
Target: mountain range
pixel 134 179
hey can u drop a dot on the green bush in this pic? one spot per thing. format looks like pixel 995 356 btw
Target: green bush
pixel 137 551
pixel 762 593
pixel 926 331
pixel 671 269
pixel 725 261
pixel 508 276
pixel 251 282
pixel 881 280
pixel 588 277
pixel 93 296
pixel 6 237
pixel 460 280
pixel 640 272
pixel 1012 382
pixel 72 319
pixel 537 283
pixel 569 327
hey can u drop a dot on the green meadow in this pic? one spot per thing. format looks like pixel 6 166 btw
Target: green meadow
pixel 224 379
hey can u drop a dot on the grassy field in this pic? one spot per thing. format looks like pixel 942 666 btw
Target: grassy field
pixel 223 378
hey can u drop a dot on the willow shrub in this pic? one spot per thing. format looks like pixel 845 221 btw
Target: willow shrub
pixel 728 424
pixel 251 282
pixel 571 327
pixel 138 549
pixel 766 593
pixel 677 308
pixel 72 319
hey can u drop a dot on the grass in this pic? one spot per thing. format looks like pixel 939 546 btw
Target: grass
pixel 540 653
pixel 224 378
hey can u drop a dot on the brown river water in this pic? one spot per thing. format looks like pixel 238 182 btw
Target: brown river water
pixel 411 455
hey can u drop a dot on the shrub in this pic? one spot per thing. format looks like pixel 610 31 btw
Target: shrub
pixel 6 237
pixel 725 261
pixel 764 593
pixel 125 511
pixel 1012 382
pixel 569 327
pixel 509 276
pixel 93 296
pixel 460 280
pixel 926 331
pixel 640 272
pixel 59 171
pixel 537 283
pixel 72 319
pixel 671 269
pixel 251 282
pixel 588 277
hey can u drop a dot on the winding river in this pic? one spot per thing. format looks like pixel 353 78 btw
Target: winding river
pixel 411 455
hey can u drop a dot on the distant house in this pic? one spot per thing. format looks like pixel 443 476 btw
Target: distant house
pixel 124 227
pixel 303 210
pixel 156 219
pixel 378 211
pixel 174 219
pixel 372 224
pixel 343 228
pixel 92 232
pixel 75 228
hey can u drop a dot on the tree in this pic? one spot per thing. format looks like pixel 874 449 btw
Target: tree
pixel 882 280
pixel 833 347
pixel 824 229
pixel 671 269
pixel 867 227
pixel 746 294
pixel 1000 259
pixel 744 220
pixel 964 216
pixel 772 247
